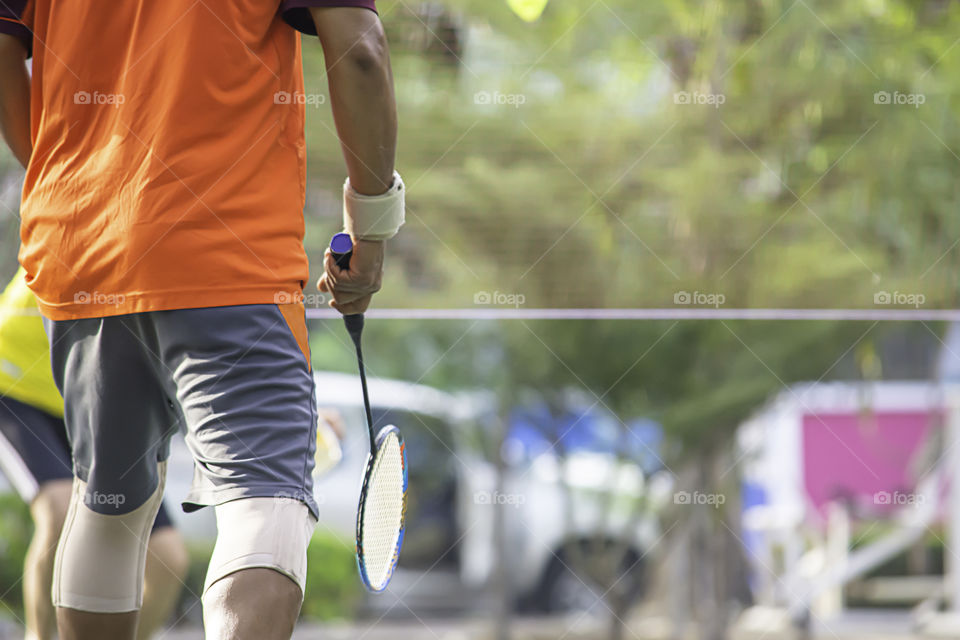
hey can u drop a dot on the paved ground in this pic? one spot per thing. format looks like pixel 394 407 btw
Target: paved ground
pixel 850 628
pixel 478 631
pixel 470 631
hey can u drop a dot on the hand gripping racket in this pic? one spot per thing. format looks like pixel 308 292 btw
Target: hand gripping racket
pixel 383 494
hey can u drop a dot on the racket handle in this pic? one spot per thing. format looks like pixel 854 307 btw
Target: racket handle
pixel 341 246
pixel 354 325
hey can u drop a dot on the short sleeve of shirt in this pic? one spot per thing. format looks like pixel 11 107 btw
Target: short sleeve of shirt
pixel 296 12
pixel 11 21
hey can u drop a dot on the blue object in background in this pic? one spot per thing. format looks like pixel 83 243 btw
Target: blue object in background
pixel 752 495
pixel 646 444
pixel 534 430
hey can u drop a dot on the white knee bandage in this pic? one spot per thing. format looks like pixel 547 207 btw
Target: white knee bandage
pixel 100 559
pixel 271 533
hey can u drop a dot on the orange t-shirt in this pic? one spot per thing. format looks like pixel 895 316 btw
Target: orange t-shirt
pixel 168 166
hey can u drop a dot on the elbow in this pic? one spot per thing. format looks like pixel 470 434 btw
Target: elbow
pixel 370 55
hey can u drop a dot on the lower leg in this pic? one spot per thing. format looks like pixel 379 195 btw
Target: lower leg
pixel 251 604
pixel 84 625
pixel 48 510
pixel 167 564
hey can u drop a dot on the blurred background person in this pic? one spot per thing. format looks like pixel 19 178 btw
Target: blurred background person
pixel 35 456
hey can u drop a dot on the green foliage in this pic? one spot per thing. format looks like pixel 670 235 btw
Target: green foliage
pixel 700 379
pixel 333 586
pixel 601 190
pixel 199 553
pixel 16 530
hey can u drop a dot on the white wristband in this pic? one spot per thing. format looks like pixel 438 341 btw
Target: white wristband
pixel 374 217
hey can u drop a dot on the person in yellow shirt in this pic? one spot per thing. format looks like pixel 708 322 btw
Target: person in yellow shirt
pixel 35 456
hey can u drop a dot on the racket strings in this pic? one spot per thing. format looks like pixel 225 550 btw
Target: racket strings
pixel 383 513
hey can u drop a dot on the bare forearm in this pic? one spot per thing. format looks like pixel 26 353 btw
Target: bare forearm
pixel 15 98
pixel 365 113
pixel 361 94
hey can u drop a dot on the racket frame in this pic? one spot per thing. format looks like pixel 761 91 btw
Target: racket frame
pixel 368 473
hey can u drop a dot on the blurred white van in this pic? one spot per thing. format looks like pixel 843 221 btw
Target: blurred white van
pixel 449 550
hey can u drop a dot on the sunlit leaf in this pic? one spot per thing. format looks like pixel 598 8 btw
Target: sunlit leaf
pixel 528 10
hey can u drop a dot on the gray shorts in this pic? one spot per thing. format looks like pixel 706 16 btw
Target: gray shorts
pixel 236 380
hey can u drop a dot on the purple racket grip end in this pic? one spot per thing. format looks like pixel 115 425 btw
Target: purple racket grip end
pixel 342 248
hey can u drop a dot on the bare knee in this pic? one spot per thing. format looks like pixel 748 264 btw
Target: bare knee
pixel 258 568
pixel 274 590
pixel 254 603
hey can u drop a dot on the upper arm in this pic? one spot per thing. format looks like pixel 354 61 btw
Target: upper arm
pixel 297 13
pixel 12 26
pixel 12 49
